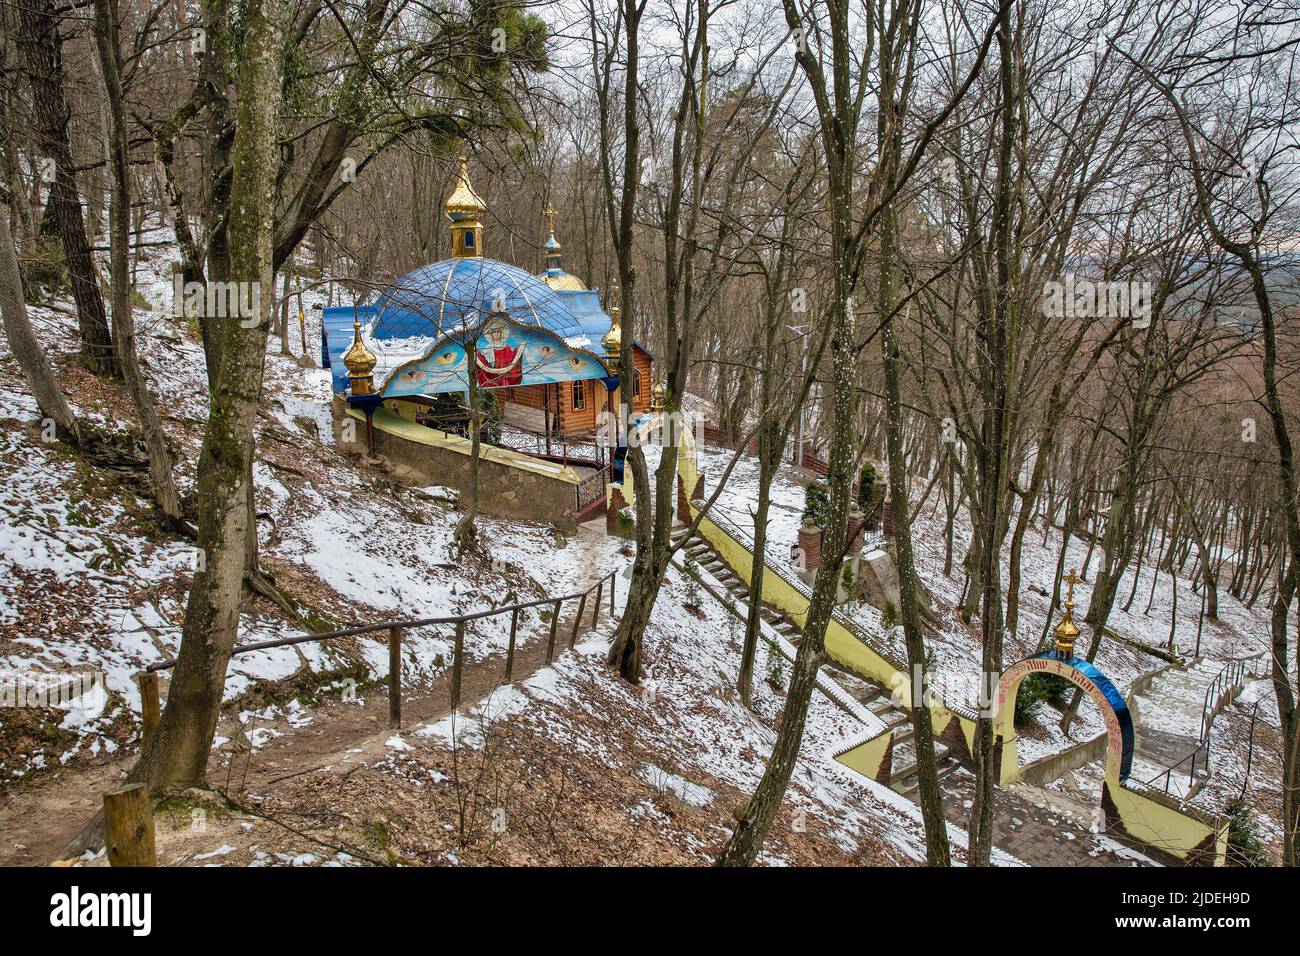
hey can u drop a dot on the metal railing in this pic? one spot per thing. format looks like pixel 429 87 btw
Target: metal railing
pixel 1218 692
pixel 590 489
pixel 148 678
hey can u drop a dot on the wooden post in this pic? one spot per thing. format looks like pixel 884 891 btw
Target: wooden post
pixel 302 319
pixel 128 826
pixel 395 677
pixel 510 653
pixel 550 642
pixel 150 708
pixel 595 606
pixel 457 663
pixel 613 583
pixel 577 621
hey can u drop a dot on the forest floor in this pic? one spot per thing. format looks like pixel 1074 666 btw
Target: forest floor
pixel 567 764
pixel 585 768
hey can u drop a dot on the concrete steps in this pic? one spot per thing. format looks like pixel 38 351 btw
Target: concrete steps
pixel 870 694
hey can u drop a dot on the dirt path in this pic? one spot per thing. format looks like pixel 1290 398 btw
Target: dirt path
pixel 37 822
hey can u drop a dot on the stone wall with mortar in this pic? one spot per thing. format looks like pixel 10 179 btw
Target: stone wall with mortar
pixel 506 488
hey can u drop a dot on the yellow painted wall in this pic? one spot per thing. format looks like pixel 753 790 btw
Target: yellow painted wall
pixel 1166 827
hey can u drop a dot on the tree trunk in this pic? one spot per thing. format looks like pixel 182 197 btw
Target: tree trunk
pixel 176 755
pixel 26 349
pixel 42 46
pixel 161 462
pixel 464 535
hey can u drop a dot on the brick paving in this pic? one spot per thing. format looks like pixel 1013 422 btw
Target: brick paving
pixel 1036 835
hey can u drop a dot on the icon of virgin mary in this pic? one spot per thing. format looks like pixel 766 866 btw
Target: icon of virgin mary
pixel 499 365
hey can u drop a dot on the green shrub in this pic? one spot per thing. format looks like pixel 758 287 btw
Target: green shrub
pixel 1243 846
pixel 693 594
pixel 871 494
pixel 44 270
pixel 889 616
pixel 775 671
pixel 625 524
pixel 816 503
pixel 1040 688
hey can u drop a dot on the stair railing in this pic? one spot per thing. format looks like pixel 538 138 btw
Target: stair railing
pixel 148 678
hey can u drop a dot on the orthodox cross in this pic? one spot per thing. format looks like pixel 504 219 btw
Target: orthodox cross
pixel 1071 580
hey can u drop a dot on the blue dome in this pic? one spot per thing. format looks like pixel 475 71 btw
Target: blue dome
pixel 441 298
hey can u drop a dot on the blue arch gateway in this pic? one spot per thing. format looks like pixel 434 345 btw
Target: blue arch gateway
pixel 1088 678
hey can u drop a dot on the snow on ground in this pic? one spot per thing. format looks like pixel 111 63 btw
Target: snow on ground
pixel 955 648
pixel 90 581
pixel 684 733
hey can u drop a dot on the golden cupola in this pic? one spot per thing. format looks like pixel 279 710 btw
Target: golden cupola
pixel 613 340
pixel 552 259
pixel 360 363
pixel 465 210
pixel 1067 632
pixel 553 273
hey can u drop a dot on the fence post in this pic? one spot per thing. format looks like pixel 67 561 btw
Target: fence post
pixel 595 605
pixel 150 708
pixel 128 827
pixel 550 641
pixel 457 663
pixel 613 583
pixel 577 621
pixel 395 677
pixel 510 652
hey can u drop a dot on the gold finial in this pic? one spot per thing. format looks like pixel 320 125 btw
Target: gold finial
pixel 360 363
pixel 657 399
pixel 465 210
pixel 552 244
pixel 613 340
pixel 1067 632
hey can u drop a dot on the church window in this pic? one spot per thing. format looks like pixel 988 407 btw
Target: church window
pixel 579 396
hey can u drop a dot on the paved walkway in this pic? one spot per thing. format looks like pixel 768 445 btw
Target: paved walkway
pixel 1167 725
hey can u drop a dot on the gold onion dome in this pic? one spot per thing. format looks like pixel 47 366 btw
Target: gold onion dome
pixel 563 282
pixel 464 203
pixel 613 340
pixel 553 274
pixel 360 363
pixel 1067 632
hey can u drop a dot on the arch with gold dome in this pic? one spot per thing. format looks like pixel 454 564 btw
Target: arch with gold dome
pixel 1163 826
pixel 1084 675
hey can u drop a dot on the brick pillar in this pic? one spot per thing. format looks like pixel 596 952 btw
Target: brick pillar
pixel 810 543
pixel 856 531
pixel 683 506
pixel 887 519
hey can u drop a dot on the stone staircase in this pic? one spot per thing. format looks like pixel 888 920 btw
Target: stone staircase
pixel 871 694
